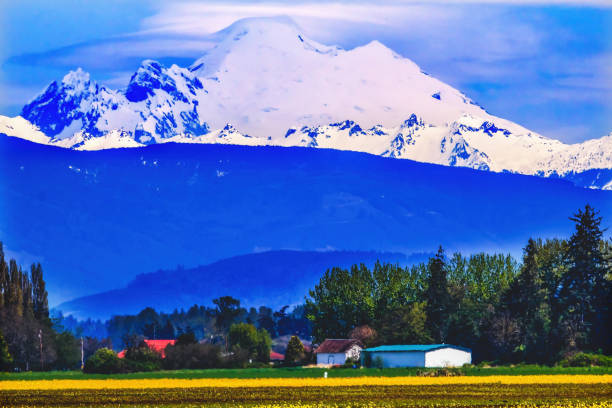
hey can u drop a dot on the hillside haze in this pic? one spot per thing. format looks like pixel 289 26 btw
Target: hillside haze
pixel 271 278
pixel 97 219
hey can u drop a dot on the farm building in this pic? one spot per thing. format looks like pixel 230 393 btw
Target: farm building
pixel 337 351
pixel 158 346
pixel 274 356
pixel 418 355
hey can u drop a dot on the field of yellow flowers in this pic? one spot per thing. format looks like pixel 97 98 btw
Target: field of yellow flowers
pixel 568 391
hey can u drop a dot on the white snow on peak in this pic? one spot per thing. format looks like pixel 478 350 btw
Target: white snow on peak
pixel 286 79
pixel 278 87
pixel 21 128
pixel 469 142
pixel 76 77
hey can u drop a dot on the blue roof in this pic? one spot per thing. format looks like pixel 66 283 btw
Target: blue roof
pixel 416 347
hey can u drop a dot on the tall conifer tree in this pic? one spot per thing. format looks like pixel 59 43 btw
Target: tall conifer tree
pixel 585 291
pixel 39 294
pixel 438 298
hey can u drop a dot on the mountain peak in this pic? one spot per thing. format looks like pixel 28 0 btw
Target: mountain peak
pixel 76 78
pixel 269 23
pixel 251 40
pixel 264 76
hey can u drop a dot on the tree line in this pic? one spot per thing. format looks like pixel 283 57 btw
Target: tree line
pixel 552 304
pixel 205 322
pixel 556 302
pixel 28 338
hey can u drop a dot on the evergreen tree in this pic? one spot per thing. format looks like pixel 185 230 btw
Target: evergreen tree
pixel 525 301
pixel 438 298
pixel 584 295
pixel 228 310
pixel 167 332
pixel 39 293
pixel 295 350
pixel 265 320
pixel 14 294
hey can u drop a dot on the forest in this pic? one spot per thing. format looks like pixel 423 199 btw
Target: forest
pixel 552 304
pixel 28 338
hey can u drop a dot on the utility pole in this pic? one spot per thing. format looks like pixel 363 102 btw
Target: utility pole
pixel 82 354
pixel 41 350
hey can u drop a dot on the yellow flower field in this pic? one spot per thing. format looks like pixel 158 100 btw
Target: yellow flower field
pixel 94 384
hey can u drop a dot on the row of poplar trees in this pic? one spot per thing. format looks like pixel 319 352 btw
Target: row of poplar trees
pixel 555 302
pixel 28 340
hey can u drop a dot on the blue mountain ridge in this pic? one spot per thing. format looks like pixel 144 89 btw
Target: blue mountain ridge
pixel 271 278
pixel 97 219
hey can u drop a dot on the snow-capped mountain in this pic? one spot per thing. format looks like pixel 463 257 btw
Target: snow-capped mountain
pixel 157 103
pixel 277 87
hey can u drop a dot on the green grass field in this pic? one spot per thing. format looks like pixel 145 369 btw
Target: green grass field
pixel 304 372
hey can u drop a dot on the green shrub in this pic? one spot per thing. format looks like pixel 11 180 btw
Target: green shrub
pixel 104 361
pixel 257 343
pixel 295 350
pixel 142 358
pixel 350 363
pixel 587 360
pixel 186 338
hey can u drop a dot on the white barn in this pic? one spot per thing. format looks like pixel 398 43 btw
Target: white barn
pixel 420 355
pixel 337 351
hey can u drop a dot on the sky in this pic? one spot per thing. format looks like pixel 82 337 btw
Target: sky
pixel 545 64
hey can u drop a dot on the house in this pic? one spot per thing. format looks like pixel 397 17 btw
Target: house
pixel 158 346
pixel 274 356
pixel 418 355
pixel 337 351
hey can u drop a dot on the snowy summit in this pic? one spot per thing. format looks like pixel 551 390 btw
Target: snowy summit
pixel 265 83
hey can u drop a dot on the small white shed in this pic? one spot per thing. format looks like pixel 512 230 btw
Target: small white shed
pixel 420 355
pixel 337 351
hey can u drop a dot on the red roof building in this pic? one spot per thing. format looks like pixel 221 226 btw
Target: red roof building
pixel 274 356
pixel 158 346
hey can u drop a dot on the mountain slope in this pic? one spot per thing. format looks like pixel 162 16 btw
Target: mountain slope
pixel 273 279
pixel 97 219
pixel 465 143
pixel 286 79
pixel 277 87
pixel 262 76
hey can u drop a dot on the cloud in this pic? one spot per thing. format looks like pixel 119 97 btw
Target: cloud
pixel 573 3
pixel 116 53
pixel 200 18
